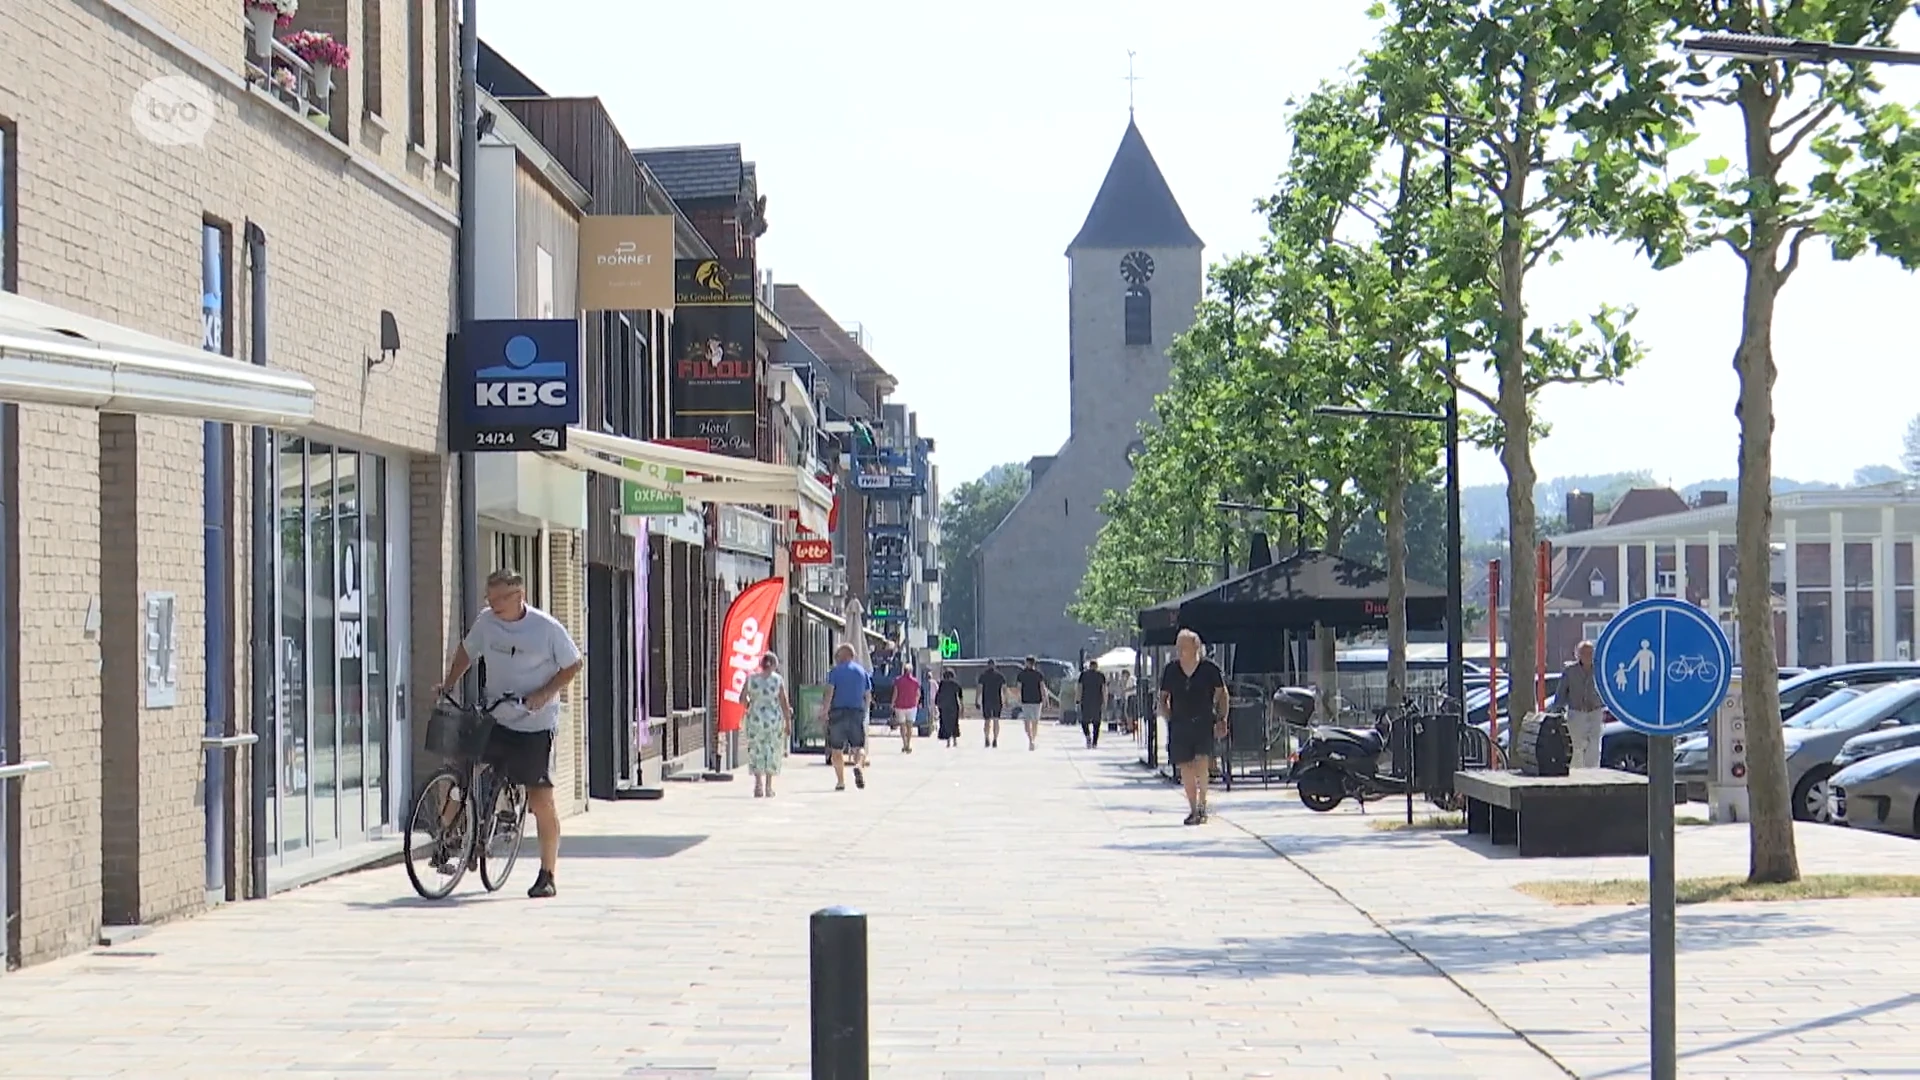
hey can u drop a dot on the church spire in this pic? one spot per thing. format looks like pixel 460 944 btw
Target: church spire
pixel 1135 208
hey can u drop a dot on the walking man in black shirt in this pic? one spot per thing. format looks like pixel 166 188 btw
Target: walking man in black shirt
pixel 993 689
pixel 1093 703
pixel 1193 698
pixel 1033 698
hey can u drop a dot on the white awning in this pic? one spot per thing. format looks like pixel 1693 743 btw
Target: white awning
pixel 52 356
pixel 714 478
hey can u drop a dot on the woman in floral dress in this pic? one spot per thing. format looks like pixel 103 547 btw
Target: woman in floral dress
pixel 769 724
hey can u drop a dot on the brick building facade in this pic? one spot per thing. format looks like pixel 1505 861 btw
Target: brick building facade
pixel 126 216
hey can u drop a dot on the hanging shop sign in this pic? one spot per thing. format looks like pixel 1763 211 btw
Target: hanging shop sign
pixel 639 500
pixel 626 262
pixel 515 385
pixel 715 373
pixel 743 641
pixel 811 551
pixel 745 531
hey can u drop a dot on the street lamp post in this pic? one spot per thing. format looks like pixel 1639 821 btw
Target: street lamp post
pixel 1759 47
pixel 1456 631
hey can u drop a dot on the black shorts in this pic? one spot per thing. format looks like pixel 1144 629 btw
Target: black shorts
pixel 990 710
pixel 524 757
pixel 846 729
pixel 1189 739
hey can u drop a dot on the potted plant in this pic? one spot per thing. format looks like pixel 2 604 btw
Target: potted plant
pixel 322 54
pixel 266 15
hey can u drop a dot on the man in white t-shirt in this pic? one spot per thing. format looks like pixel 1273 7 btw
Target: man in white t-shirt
pixel 530 655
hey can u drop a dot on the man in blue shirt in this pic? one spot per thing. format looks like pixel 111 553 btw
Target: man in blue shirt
pixel 847 705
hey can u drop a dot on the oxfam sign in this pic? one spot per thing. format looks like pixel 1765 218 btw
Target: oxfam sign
pixel 516 385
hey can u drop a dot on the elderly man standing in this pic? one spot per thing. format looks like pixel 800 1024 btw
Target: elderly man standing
pixel 1579 695
pixel 849 696
pixel 1193 698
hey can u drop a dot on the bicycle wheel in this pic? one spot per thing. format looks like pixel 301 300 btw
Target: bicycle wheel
pixel 439 836
pixel 504 834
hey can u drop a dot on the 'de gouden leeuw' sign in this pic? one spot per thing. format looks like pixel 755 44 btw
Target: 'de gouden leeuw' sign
pixel 626 263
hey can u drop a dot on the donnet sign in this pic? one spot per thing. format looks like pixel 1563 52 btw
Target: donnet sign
pixel 626 253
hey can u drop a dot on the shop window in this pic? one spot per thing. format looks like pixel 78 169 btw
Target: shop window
pixel 1813 568
pixel 657 669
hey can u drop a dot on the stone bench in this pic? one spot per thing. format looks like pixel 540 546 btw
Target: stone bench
pixel 1587 812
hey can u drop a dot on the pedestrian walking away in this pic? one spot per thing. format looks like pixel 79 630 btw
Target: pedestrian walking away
pixel 1579 694
pixel 849 696
pixel 1093 703
pixel 906 705
pixel 530 655
pixel 993 691
pixel 1033 700
pixel 946 703
pixel 769 724
pixel 1193 698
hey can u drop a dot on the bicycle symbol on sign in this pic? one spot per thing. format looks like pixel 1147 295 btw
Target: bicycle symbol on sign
pixel 1696 667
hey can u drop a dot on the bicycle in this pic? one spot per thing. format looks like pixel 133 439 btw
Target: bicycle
pixel 444 811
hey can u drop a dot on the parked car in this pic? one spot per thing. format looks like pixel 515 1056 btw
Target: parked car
pixel 1690 752
pixel 1812 744
pixel 1881 793
pixel 1874 743
pixel 1621 747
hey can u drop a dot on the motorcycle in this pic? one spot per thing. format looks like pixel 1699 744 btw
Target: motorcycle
pixel 1335 763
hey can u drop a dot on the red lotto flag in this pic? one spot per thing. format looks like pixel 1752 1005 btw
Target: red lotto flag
pixel 743 641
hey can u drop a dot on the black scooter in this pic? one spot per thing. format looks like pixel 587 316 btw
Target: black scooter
pixel 1334 763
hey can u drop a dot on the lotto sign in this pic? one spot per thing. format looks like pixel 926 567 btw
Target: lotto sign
pixel 743 640
pixel 516 385
pixel 812 551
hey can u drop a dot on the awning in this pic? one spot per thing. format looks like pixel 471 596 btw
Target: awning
pixel 713 478
pixel 52 356
pixel 822 614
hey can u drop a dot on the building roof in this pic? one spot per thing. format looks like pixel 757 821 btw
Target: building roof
pixel 1135 207
pixel 1811 506
pixel 825 338
pixel 698 172
pixel 501 79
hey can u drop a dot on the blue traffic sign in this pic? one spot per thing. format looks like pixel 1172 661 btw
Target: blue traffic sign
pixel 1663 666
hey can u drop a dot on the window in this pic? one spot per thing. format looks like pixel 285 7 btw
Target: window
pixel 1590 631
pixel 1139 315
pixel 513 551
pixel 447 33
pixel 216 320
pixel 1665 583
pixel 9 247
pixel 1597 585
pixel 417 73
pixel 369 57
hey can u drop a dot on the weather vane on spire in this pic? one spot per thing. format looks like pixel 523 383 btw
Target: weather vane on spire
pixel 1131 79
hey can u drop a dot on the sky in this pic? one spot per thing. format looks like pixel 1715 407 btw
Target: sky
pixel 925 167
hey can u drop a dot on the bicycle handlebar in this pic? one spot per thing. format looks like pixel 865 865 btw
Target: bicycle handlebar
pixel 488 709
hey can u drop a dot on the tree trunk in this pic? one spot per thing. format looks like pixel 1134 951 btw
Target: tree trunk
pixel 1397 580
pixel 1516 454
pixel 1771 856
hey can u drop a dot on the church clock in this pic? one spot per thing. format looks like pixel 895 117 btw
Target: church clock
pixel 1136 267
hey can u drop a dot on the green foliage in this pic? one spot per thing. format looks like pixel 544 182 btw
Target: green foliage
pixel 967 515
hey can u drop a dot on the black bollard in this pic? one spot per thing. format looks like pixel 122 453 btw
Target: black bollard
pixel 839 954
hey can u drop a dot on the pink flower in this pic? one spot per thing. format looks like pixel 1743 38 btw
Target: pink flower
pixel 317 48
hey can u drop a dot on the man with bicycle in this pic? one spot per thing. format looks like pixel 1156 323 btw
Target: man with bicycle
pixel 531 656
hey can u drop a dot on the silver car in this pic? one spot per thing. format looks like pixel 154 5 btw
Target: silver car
pixel 1812 743
pixel 1881 793
pixel 1874 743
pixel 1690 752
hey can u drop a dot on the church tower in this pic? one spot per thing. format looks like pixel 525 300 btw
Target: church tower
pixel 1137 272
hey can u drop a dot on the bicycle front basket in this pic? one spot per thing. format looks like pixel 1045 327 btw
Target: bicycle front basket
pixel 458 733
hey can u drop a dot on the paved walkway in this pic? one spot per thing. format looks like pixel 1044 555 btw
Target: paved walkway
pixel 1034 915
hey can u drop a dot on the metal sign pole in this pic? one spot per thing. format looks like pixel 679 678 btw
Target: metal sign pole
pixel 1663 668
pixel 1660 903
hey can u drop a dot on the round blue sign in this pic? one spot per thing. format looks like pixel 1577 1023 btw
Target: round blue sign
pixel 1663 666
